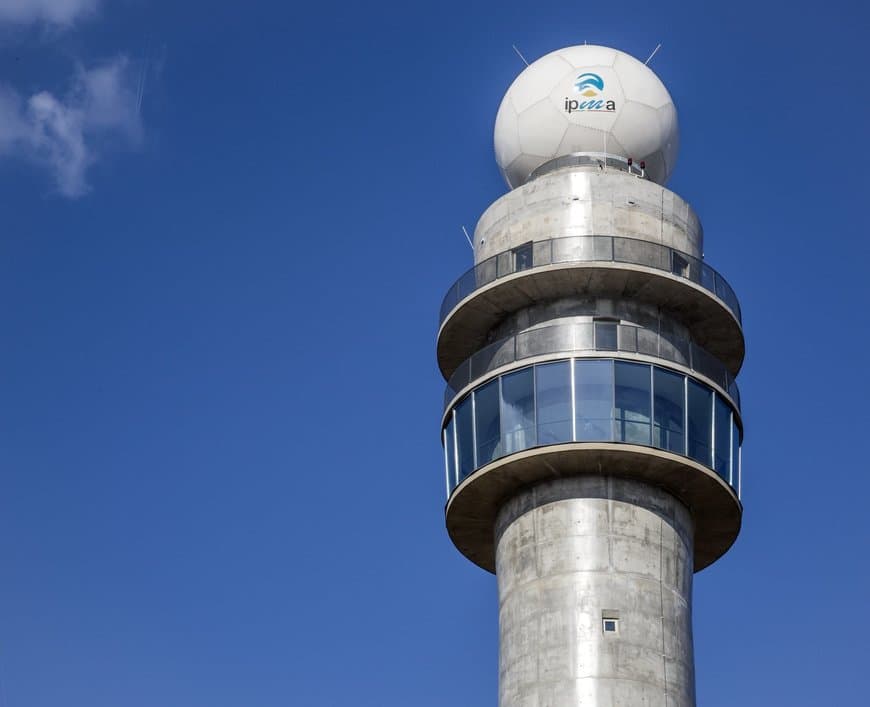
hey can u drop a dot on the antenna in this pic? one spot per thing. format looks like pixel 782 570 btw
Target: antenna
pixel 143 76
pixel 649 58
pixel 466 234
pixel 520 55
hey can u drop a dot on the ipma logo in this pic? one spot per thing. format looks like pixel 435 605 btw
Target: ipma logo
pixel 591 87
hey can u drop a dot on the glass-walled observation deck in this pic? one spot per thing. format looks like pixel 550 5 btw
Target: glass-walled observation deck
pixel 592 400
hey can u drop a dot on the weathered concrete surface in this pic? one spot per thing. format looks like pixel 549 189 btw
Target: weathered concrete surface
pixel 474 505
pixel 582 201
pixel 573 551
pixel 712 325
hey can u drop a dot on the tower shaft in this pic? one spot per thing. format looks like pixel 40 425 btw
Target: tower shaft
pixel 594 583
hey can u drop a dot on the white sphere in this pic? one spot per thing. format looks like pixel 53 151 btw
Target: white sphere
pixel 586 99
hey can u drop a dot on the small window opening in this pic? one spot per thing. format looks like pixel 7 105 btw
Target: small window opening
pixel 610 621
pixel 679 265
pixel 523 257
pixel 605 336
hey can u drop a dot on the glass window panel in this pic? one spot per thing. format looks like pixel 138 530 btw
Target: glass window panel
pixel 593 384
pixel 517 411
pixel 669 413
pixel 735 452
pixel 700 422
pixel 523 257
pixel 450 452
pixel 553 397
pixel 465 437
pixel 721 437
pixel 679 265
pixel 632 402
pixel 486 420
pixel 605 336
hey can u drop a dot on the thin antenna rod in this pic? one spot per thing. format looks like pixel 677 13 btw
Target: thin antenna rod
pixel 658 46
pixel 520 54
pixel 468 238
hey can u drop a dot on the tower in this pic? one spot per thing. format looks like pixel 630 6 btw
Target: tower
pixel 591 423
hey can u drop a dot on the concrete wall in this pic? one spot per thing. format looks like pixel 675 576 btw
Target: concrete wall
pixel 575 202
pixel 573 551
pixel 625 311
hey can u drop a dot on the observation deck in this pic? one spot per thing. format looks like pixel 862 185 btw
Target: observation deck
pixel 573 398
pixel 610 266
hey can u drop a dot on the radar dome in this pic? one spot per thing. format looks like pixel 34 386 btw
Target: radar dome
pixel 586 99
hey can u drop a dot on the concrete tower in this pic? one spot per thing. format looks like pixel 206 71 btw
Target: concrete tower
pixel 592 423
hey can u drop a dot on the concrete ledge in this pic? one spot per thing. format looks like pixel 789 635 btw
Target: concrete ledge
pixel 712 324
pixel 474 505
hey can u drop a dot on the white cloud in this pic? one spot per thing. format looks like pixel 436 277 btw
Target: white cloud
pixel 59 12
pixel 64 134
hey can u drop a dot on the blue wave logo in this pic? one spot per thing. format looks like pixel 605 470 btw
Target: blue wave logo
pixel 589 84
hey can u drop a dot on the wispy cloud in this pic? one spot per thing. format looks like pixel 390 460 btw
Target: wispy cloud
pixel 58 12
pixel 65 134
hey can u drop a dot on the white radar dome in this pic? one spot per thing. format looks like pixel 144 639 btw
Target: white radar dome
pixel 586 99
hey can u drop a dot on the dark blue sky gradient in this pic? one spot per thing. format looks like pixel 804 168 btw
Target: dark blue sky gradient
pixel 221 474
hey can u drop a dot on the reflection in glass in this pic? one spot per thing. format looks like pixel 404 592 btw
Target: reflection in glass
pixel 553 397
pixel 605 336
pixel 593 383
pixel 612 400
pixel 517 411
pixel 486 419
pixel 700 422
pixel 735 453
pixel 668 404
pixel 721 437
pixel 450 453
pixel 465 437
pixel 632 402
pixel 523 257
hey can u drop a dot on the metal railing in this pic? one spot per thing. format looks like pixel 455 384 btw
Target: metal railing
pixel 601 160
pixel 590 336
pixel 590 249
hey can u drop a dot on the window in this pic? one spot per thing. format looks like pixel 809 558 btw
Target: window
pixel 721 437
pixel 735 455
pixel 669 406
pixel 450 454
pixel 633 402
pixel 605 336
pixel 593 384
pixel 465 437
pixel 610 621
pixel 553 398
pixel 700 422
pixel 517 411
pixel 523 257
pixel 486 420
pixel 679 264
pixel 610 401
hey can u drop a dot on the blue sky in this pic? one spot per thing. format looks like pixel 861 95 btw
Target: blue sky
pixel 227 232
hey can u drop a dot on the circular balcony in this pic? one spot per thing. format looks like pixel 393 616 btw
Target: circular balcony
pixel 607 266
pixel 592 415
pixel 472 508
